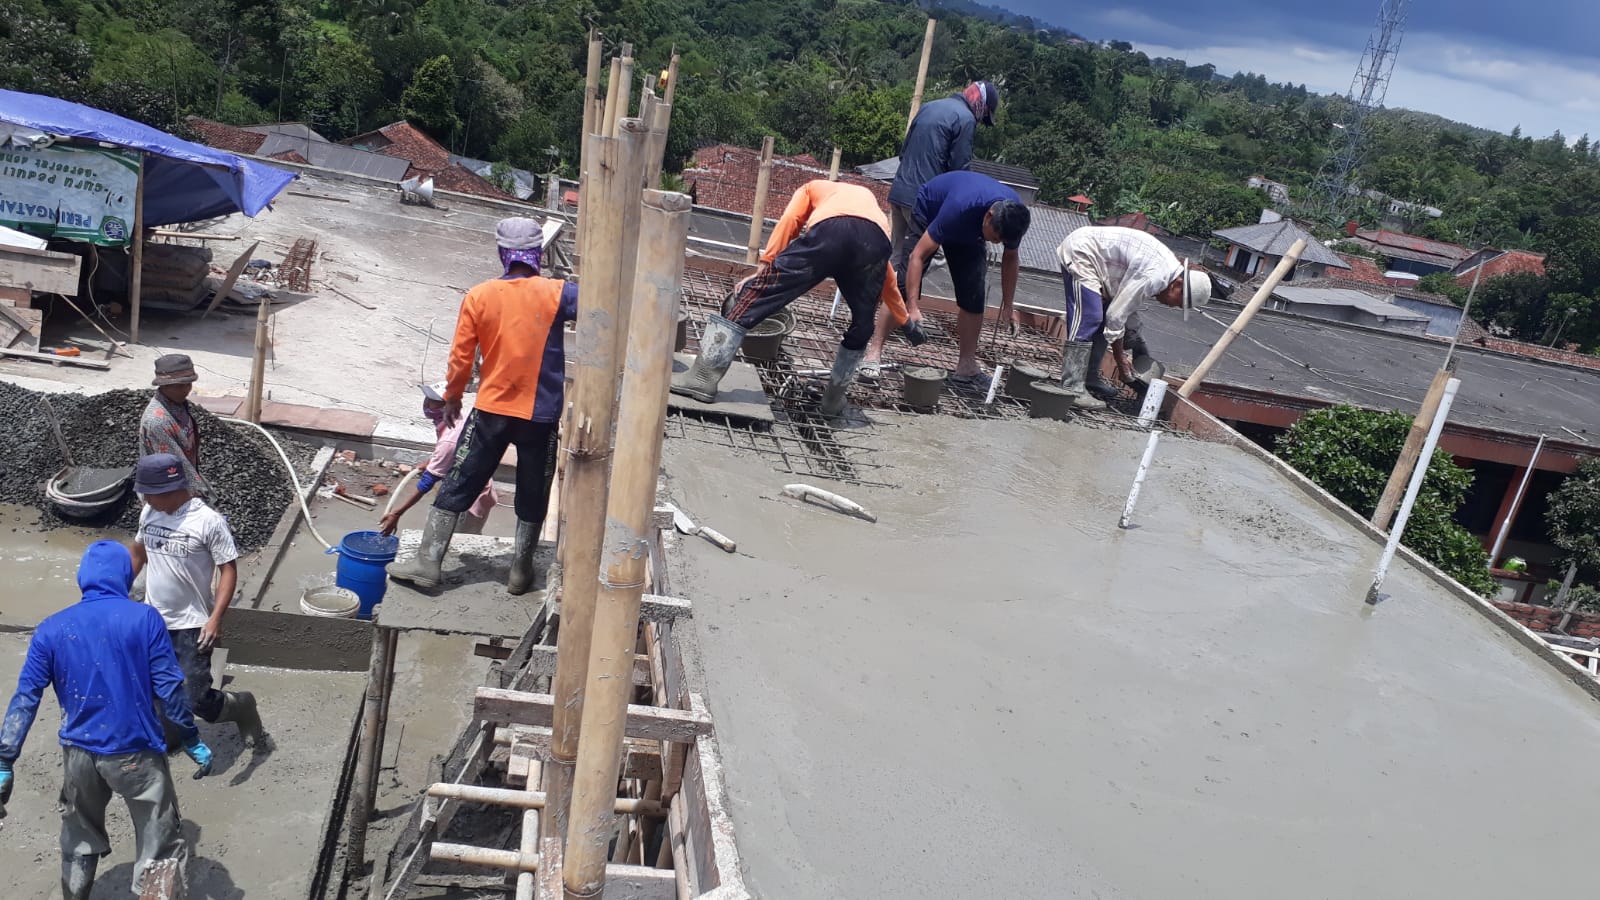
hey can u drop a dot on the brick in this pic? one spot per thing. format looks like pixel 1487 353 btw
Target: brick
pixel 724 177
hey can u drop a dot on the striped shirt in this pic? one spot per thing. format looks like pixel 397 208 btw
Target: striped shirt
pixel 1122 265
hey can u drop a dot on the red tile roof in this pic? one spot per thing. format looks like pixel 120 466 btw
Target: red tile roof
pixel 1398 240
pixel 225 137
pixel 1362 271
pixel 724 177
pixel 1549 354
pixel 290 156
pixel 1508 263
pixel 402 140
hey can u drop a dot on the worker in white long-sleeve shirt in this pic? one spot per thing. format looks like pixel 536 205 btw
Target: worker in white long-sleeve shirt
pixel 1108 272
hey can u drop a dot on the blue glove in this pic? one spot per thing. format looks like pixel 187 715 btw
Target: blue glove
pixel 6 780
pixel 201 754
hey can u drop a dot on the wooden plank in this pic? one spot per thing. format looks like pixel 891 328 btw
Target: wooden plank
pixel 20 327
pixel 707 818
pixel 45 271
pixel 78 361
pixel 491 651
pixel 656 608
pixel 234 271
pixel 542 661
pixel 521 708
pixel 531 744
pixel 547 883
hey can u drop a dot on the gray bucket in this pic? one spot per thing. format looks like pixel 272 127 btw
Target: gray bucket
pixel 763 342
pixel 1147 369
pixel 1020 379
pixel 1050 401
pixel 330 602
pixel 923 386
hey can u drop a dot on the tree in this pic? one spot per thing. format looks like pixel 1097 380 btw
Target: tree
pixel 1350 452
pixel 868 124
pixel 1067 154
pixel 1574 520
pixel 1513 304
pixel 334 82
pixel 430 99
pixel 39 54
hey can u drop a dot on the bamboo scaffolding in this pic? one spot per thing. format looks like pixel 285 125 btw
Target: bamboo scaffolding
pixel 758 213
pixel 1263 293
pixel 922 72
pixel 833 167
pixel 663 235
pixel 1410 451
pixel 591 91
pixel 136 272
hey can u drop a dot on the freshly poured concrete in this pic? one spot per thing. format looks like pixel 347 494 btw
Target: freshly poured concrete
pixel 255 825
pixel 994 692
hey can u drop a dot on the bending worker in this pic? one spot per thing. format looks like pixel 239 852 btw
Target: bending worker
pixel 961 211
pixel 1128 266
pixel 515 322
pixel 168 424
pixel 829 230
pixel 438 466
pixel 938 141
pixel 106 657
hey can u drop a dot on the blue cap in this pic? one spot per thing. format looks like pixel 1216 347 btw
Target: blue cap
pixel 991 101
pixel 159 473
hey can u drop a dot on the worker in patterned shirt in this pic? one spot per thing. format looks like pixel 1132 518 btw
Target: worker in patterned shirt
pixel 1108 272
pixel 168 424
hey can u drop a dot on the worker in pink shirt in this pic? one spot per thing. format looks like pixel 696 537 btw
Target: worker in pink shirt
pixel 438 466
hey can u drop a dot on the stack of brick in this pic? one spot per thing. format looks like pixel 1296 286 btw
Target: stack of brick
pixel 1546 618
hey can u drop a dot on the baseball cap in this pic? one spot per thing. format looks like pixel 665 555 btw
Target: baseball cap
pixel 159 473
pixel 174 368
pixel 991 101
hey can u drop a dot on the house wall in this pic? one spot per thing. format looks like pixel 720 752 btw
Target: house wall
pixel 1443 321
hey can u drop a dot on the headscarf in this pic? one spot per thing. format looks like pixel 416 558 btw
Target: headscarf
pixel 520 240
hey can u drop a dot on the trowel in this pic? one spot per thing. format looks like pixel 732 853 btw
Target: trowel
pixel 686 525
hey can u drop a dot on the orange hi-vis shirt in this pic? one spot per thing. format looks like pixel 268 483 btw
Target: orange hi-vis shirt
pixel 818 201
pixel 516 324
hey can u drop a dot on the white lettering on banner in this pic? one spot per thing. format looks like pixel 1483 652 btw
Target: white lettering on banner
pixel 76 193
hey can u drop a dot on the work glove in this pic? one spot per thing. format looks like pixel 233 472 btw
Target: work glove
pixel 6 780
pixel 912 329
pixel 201 754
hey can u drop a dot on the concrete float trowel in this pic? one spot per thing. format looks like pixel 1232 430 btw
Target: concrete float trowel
pixel 686 525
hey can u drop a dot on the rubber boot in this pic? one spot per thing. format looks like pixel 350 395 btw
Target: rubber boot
pixel 522 572
pixel 1074 366
pixel 77 876
pixel 239 707
pixel 426 568
pixel 844 372
pixel 718 346
pixel 1095 380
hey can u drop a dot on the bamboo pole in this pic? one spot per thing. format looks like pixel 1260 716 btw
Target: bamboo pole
pixel 833 167
pixel 671 89
pixel 922 72
pixel 608 119
pixel 591 115
pixel 378 667
pixel 624 89
pixel 655 157
pixel 1374 593
pixel 758 213
pixel 1409 451
pixel 1263 293
pixel 663 235
pixel 471 793
pixel 258 364
pixel 610 244
pixel 136 276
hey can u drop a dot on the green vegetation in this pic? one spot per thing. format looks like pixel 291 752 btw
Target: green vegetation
pixel 1574 520
pixel 503 81
pixel 1350 452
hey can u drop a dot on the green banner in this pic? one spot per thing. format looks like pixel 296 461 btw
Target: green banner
pixel 75 193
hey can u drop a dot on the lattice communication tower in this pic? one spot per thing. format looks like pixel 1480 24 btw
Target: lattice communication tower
pixel 1367 91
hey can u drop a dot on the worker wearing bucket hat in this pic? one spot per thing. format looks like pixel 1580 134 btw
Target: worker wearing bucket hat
pixel 168 424
pixel 1108 272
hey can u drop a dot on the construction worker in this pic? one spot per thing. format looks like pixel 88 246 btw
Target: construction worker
pixel 186 545
pixel 1128 266
pixel 938 141
pixel 168 424
pixel 438 466
pixel 829 230
pixel 515 321
pixel 106 657
pixel 961 212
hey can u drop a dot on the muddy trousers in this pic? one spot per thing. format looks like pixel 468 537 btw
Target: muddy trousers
pixel 853 252
pixel 144 783
pixel 205 700
pixel 483 443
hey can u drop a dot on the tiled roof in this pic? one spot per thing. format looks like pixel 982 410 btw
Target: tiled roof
pixel 724 177
pixel 225 137
pixel 1389 242
pixel 1048 226
pixel 1137 221
pixel 1535 351
pixel 289 156
pixel 426 156
pixel 1005 174
pixel 1362 270
pixel 337 156
pixel 1497 263
pixel 1275 239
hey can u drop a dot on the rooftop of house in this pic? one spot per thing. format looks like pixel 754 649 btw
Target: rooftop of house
pixel 425 157
pixel 1342 296
pixel 723 176
pixel 1047 228
pixel 1137 221
pixel 1359 270
pixel 1495 263
pixel 1015 176
pixel 1275 239
pixel 1409 246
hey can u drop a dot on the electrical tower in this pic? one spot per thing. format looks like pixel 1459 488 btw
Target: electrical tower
pixel 1367 90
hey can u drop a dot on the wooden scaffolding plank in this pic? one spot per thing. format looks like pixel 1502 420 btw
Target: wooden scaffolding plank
pixel 523 708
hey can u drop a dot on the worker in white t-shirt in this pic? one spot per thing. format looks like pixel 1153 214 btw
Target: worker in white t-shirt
pixel 189 555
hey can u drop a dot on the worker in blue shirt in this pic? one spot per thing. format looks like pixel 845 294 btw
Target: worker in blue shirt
pixel 962 212
pixel 106 656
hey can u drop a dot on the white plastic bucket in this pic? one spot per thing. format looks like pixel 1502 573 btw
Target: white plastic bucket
pixel 330 602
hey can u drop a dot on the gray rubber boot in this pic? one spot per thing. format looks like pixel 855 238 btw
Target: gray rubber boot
pixel 1094 379
pixel 239 707
pixel 522 573
pixel 719 344
pixel 77 876
pixel 425 569
pixel 1074 366
pixel 845 364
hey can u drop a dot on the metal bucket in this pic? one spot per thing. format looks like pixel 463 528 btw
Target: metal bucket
pixel 1147 369
pixel 1020 378
pixel 1050 401
pixel 763 342
pixel 923 386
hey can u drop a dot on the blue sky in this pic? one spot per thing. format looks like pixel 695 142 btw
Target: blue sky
pixel 1492 64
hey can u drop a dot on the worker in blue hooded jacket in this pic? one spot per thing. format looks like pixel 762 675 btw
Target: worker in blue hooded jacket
pixel 106 656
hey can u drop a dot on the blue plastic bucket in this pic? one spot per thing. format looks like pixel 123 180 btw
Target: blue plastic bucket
pixel 362 557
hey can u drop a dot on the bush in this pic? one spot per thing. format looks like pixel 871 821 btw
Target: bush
pixel 1350 452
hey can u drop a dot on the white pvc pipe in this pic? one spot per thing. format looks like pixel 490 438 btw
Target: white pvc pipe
pixel 1418 474
pixel 299 493
pixel 1152 403
pixel 994 384
pixel 1138 479
pixel 1516 504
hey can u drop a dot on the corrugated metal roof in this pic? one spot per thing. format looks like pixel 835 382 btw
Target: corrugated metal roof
pixel 1322 296
pixel 1401 240
pixel 297 130
pixel 1275 239
pixel 885 169
pixel 1048 226
pixel 337 157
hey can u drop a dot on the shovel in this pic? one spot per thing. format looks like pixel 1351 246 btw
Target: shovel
pixel 686 525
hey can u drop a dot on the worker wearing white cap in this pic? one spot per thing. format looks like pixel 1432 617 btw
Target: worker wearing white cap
pixel 438 466
pixel 1128 267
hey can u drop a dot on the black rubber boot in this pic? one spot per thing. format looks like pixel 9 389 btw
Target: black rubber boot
pixel 523 575
pixel 239 707
pixel 1095 381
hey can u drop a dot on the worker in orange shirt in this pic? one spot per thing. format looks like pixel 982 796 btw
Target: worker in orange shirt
pixel 515 323
pixel 829 230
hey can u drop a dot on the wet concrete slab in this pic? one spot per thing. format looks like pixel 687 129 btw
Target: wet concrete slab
pixel 473 599
pixel 739 396
pixel 255 825
pixel 995 692
pixel 40 568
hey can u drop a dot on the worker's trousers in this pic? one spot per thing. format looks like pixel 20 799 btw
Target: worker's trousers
pixel 1086 310
pixel 853 252
pixel 483 443
pixel 205 700
pixel 144 783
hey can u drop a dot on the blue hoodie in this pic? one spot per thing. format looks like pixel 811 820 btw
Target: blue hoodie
pixel 106 657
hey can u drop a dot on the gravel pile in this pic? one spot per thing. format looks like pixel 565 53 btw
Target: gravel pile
pixel 248 482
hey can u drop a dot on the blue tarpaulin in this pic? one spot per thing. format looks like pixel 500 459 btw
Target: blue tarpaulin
pixel 184 182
